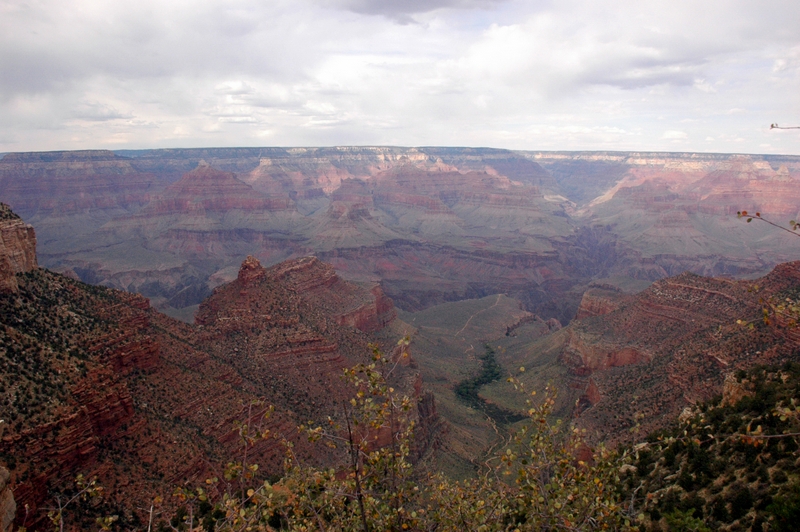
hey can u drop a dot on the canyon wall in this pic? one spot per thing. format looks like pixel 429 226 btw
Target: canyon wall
pixel 428 224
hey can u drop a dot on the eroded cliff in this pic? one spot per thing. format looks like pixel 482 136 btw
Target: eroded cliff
pixel 429 224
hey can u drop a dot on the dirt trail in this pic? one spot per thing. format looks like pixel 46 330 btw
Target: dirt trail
pixel 497 301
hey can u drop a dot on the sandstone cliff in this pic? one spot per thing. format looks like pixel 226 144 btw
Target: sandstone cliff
pixel 194 219
pixel 428 224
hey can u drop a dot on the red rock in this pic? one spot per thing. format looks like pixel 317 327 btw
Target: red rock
pixel 152 385
pixel 8 507
pixel 734 391
pixel 669 347
pixel 597 301
pixel 207 190
pixel 250 270
pixel 17 248
pixel 68 183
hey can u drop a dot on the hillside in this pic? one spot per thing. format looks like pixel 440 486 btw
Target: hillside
pixel 486 253
pixel 727 464
pixel 627 366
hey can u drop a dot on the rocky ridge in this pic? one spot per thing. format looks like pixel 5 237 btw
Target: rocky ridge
pixel 631 363
pixel 599 300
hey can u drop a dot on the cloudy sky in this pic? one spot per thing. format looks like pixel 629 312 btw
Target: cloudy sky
pixel 538 74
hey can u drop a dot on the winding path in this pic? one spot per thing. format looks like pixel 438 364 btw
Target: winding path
pixel 497 301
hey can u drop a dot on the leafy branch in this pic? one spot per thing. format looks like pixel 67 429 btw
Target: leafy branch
pixel 87 489
pixel 757 216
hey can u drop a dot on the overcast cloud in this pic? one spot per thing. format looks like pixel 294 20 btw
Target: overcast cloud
pixel 568 75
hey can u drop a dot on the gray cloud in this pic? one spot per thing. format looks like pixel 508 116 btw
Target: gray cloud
pixel 508 73
pixel 98 112
pixel 401 9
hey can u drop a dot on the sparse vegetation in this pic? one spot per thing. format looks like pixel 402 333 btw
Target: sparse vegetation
pixel 726 466
pixel 6 213
pixel 546 478
pixel 467 390
pixel 43 334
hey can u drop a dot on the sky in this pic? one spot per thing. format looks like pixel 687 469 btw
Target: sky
pixel 705 76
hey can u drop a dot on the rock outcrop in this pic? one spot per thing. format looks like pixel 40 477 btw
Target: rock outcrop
pixel 597 301
pixel 366 310
pixel 17 248
pixel 8 507
pixel 734 390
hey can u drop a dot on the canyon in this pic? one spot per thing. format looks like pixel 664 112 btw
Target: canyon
pixel 186 289
pixel 632 363
pixel 629 365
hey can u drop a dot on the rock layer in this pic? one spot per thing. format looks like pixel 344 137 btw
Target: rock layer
pixel 171 224
pixel 597 301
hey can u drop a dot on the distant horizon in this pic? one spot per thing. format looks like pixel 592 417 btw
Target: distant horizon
pixel 397 146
